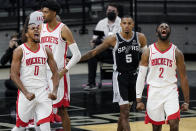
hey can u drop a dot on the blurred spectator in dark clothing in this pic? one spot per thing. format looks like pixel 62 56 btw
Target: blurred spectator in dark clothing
pixel 13 43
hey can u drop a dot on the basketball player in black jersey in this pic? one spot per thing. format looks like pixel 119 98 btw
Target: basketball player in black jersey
pixel 127 46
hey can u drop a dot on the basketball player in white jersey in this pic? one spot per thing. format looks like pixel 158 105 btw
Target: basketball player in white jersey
pixel 28 71
pixel 127 46
pixel 162 58
pixel 58 38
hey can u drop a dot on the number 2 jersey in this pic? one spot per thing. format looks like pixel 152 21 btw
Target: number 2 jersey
pixel 33 67
pixel 126 53
pixel 162 66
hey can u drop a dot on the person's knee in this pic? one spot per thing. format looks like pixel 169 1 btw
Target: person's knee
pixel 174 124
pixel 157 127
pixel 124 112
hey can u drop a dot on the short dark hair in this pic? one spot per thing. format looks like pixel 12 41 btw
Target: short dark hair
pixel 126 16
pixel 52 5
pixel 25 29
pixel 113 5
pixel 15 35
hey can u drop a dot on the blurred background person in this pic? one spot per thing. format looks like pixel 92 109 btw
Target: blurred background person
pixel 7 57
pixel 109 25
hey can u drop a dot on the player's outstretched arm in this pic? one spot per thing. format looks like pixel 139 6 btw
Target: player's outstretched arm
pixel 141 79
pixel 55 76
pixel 108 42
pixel 76 55
pixel 15 73
pixel 183 78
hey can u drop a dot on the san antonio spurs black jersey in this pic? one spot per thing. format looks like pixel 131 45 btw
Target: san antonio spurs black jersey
pixel 126 53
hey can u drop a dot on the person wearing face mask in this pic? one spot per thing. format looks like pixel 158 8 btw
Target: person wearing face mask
pixel 109 25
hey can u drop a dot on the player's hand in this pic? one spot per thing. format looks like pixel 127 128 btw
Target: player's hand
pixel 30 96
pixel 52 96
pixel 140 106
pixel 184 107
pixel 62 73
pixel 67 60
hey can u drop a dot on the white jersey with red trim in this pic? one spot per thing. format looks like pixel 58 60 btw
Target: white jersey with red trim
pixel 33 67
pixel 54 41
pixel 162 66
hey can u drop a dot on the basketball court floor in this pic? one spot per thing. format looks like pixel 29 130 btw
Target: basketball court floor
pixel 94 110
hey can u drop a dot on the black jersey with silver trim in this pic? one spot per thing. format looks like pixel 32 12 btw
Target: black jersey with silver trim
pixel 126 53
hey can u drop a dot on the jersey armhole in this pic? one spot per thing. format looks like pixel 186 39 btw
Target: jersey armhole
pixel 60 36
pixel 23 53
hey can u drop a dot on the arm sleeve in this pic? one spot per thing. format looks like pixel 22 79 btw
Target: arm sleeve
pixel 140 81
pixel 76 56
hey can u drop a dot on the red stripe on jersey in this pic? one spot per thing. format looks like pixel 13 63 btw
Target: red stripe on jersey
pixel 50 118
pixel 174 116
pixel 31 50
pixel 162 51
pixel 149 120
pixel 19 122
pixel 54 28
pixel 65 100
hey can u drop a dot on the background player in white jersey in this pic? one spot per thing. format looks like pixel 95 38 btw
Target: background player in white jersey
pixel 28 71
pixel 58 37
pixel 126 48
pixel 163 59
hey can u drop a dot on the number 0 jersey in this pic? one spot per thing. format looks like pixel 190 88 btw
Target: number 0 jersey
pixel 33 67
pixel 126 53
pixel 162 66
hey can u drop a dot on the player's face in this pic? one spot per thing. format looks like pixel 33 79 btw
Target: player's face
pixel 48 14
pixel 33 33
pixel 127 25
pixel 163 31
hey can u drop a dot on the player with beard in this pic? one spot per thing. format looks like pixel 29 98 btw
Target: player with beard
pixel 162 58
pixel 28 71
pixel 58 37
pixel 127 46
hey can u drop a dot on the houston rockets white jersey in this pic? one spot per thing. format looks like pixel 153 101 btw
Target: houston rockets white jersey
pixel 54 41
pixel 33 67
pixel 162 66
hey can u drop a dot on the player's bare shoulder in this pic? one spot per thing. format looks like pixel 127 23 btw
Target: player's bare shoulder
pixel 18 52
pixel 142 39
pixel 179 55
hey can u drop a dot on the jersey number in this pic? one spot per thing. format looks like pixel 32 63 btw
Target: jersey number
pixel 49 46
pixel 161 70
pixel 129 58
pixel 36 70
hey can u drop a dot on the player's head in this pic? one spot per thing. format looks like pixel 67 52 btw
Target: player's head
pixel 50 9
pixel 112 11
pixel 127 24
pixel 163 31
pixel 30 32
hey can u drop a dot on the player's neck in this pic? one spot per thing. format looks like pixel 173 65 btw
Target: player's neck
pixel 32 45
pixel 127 36
pixel 53 24
pixel 163 45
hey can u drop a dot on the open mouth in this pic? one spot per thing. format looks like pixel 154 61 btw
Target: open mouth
pixel 36 36
pixel 164 33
